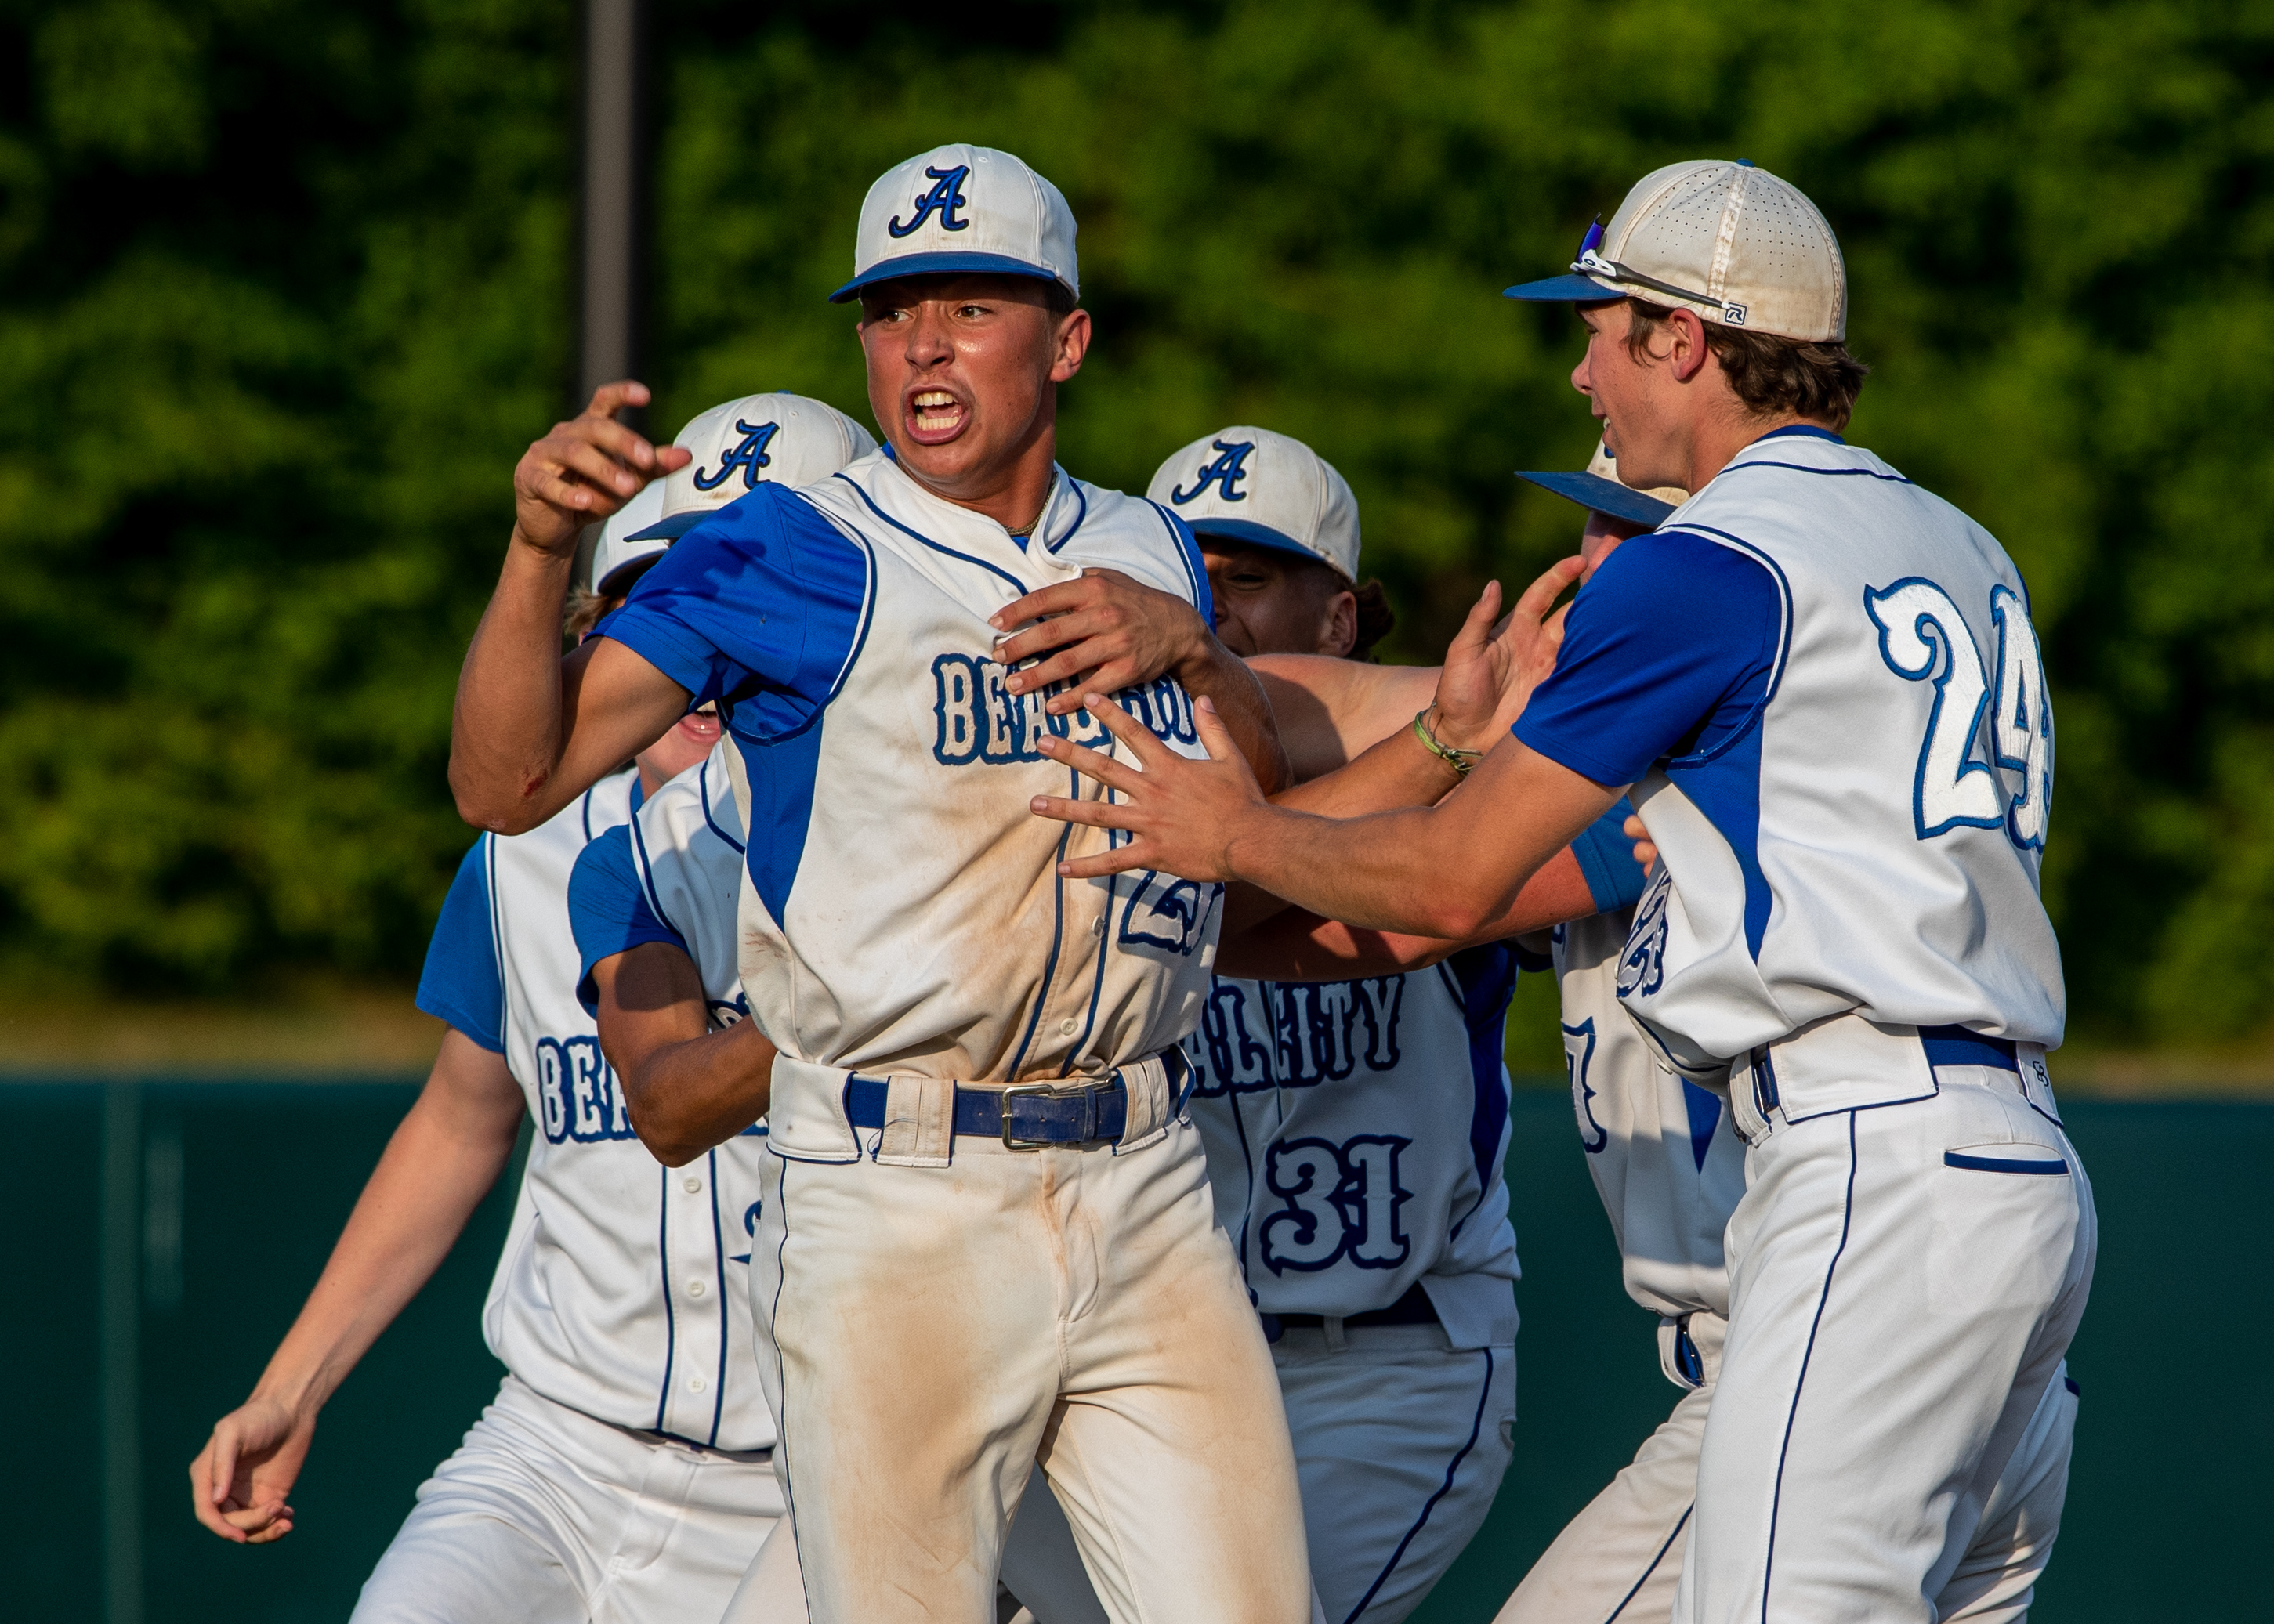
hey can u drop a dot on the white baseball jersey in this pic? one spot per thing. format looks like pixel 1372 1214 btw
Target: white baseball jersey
pixel 1664 1154
pixel 620 1292
pixel 1858 826
pixel 900 912
pixel 1356 1132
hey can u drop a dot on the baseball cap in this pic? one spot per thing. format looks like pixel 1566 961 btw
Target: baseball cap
pixel 1728 240
pixel 1267 490
pixel 1601 489
pixel 962 209
pixel 782 439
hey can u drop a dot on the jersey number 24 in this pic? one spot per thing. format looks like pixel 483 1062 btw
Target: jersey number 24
pixel 1922 637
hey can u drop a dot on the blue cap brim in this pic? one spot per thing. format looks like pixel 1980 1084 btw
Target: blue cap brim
pixel 940 265
pixel 1621 502
pixel 1253 535
pixel 671 526
pixel 1572 289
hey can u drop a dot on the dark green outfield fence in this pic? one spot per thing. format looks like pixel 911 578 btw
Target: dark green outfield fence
pixel 163 1235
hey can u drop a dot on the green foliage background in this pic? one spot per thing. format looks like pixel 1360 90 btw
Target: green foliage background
pixel 285 286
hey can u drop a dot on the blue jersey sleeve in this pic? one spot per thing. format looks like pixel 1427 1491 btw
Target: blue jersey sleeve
pixel 609 910
pixel 759 607
pixel 461 983
pixel 1668 654
pixel 1615 879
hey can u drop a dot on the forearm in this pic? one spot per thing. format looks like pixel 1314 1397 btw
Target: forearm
pixel 1300 946
pixel 1221 677
pixel 1452 871
pixel 436 1167
pixel 506 729
pixel 689 1097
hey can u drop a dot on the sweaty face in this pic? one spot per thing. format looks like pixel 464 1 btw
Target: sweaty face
pixel 960 369
pixel 1276 603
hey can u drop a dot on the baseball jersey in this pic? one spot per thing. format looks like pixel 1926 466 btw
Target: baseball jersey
pixel 1664 1152
pixel 615 1294
pixel 901 910
pixel 1355 1134
pixel 1823 683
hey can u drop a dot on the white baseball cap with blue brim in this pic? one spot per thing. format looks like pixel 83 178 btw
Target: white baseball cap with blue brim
pixel 774 439
pixel 1728 240
pixel 1600 489
pixel 1270 490
pixel 962 209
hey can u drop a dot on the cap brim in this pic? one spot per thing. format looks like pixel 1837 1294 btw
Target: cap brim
pixel 941 265
pixel 1253 535
pixel 672 526
pixel 1592 490
pixel 1572 289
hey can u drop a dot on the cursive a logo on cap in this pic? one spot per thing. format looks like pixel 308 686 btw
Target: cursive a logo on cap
pixel 946 196
pixel 1229 469
pixel 749 456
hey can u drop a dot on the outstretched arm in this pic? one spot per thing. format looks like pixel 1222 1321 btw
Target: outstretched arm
pixel 1106 632
pixel 1448 870
pixel 531 730
pixel 688 1088
pixel 440 1163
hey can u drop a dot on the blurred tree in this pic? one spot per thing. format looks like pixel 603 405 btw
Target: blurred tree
pixel 283 291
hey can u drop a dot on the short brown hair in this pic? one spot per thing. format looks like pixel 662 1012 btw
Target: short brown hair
pixel 584 609
pixel 1768 373
pixel 1375 617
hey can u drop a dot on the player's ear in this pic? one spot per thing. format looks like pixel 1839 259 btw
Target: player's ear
pixel 1069 343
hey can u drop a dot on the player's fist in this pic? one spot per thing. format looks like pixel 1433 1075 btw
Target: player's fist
pixel 584 470
pixel 239 1480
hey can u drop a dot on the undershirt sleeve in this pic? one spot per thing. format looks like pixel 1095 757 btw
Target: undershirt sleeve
pixel 460 983
pixel 1668 652
pixel 1615 879
pixel 609 910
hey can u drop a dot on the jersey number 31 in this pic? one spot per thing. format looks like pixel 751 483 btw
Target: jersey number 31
pixel 1923 638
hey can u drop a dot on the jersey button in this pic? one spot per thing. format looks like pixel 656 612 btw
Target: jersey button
pixel 695 1288
pixel 695 1384
pixel 693 1186
pixel 1068 1026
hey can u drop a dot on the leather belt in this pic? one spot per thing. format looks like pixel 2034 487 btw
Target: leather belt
pixel 1414 1308
pixel 1029 1115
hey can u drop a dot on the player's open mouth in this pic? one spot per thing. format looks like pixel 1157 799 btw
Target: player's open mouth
pixel 934 415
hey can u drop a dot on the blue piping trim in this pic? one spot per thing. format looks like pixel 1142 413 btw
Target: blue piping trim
pixel 726 1320
pixel 585 812
pixel 1058 934
pixel 1232 1098
pixel 1195 571
pixel 1784 637
pixel 702 783
pixel 1996 1164
pixel 1828 473
pixel 647 883
pixel 1017 585
pixel 781 1422
pixel 497 941
pixel 1452 1468
pixel 1079 518
pixel 670 1319
pixel 1680 1522
pixel 1776 1501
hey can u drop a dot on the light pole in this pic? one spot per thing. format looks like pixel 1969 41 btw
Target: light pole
pixel 612 215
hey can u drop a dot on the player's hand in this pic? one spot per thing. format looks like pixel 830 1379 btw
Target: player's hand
pixel 1110 633
pixel 1490 670
pixel 584 470
pixel 1645 851
pixel 239 1480
pixel 1184 815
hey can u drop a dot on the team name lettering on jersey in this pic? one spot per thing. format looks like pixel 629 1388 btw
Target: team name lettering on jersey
pixel 981 720
pixel 577 1091
pixel 1310 1033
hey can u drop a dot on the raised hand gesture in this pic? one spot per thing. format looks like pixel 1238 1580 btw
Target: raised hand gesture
pixel 584 470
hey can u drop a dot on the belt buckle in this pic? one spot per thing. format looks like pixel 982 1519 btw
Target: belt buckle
pixel 1053 1091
